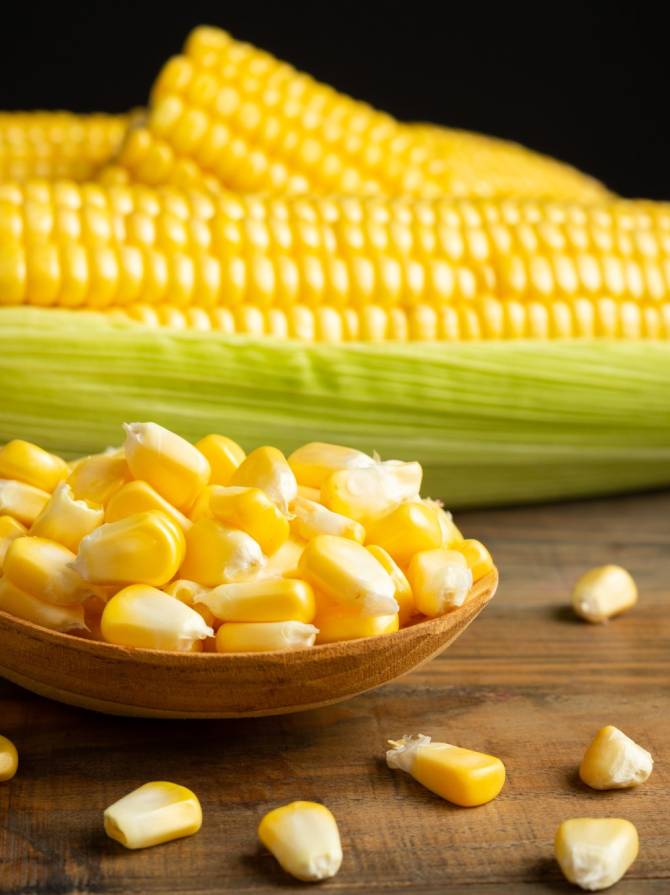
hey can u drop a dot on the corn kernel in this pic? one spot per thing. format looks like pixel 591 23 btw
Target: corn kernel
pixel 312 519
pixel 42 569
pixel 336 623
pixel 304 838
pixel 440 580
pixel 186 591
pixel 223 455
pixel 22 605
pixel 251 510
pixel 67 520
pixel 155 813
pixel 603 592
pixel 614 761
pixel 594 853
pixel 97 477
pixel 478 558
pixel 146 548
pixel 403 592
pixel 285 560
pixel 23 502
pixel 144 617
pixel 313 494
pixel 170 464
pixel 28 463
pixel 267 600
pixel 406 530
pixel 216 554
pixel 368 493
pixel 450 532
pixel 266 468
pixel 260 637
pixel 347 573
pixel 10 530
pixel 9 759
pixel 314 462
pixel 138 497
pixel 461 776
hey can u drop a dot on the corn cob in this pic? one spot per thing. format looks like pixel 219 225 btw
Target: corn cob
pixel 57 144
pixel 226 115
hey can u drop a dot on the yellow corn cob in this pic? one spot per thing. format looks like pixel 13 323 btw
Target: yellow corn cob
pixel 142 616
pixel 57 144
pixel 226 115
pixel 155 813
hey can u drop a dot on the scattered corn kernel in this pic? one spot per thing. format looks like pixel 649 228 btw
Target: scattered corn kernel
pixel 97 477
pixel 440 580
pixel 138 497
pixel 146 548
pixel 170 464
pixel 251 510
pixel 312 519
pixel 403 592
pixel 10 529
pixel 314 462
pixel 368 493
pixel 260 637
pixel 304 838
pixel 28 463
pixel 22 605
pixel 478 558
pixel 347 573
pixel 67 520
pixel 9 759
pixel 268 600
pixel 406 530
pixel 22 502
pixel 223 455
pixel 266 468
pixel 603 592
pixel 337 623
pixel 216 554
pixel 43 569
pixel 594 853
pixel 145 617
pixel 461 776
pixel 155 813
pixel 614 761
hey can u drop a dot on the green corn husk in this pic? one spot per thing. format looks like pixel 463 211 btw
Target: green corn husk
pixel 491 422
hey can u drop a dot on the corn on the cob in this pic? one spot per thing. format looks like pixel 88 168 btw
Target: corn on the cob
pixel 155 813
pixel 594 853
pixel 9 759
pixel 614 761
pixel 304 838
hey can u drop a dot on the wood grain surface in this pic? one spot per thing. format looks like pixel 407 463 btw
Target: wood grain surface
pixel 526 682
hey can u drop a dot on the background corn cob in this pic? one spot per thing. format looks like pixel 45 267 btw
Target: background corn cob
pixel 57 144
pixel 226 115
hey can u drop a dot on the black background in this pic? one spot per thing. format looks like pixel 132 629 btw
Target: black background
pixel 585 82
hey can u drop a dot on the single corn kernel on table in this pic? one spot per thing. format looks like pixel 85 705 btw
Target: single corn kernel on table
pixel 528 682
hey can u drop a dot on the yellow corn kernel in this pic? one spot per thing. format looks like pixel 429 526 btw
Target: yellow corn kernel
pixel 478 558
pixel 440 580
pixel 337 623
pixel 266 468
pixel 216 554
pixel 345 572
pixel 251 510
pixel 42 569
pixel 403 592
pixel 169 463
pixel 155 813
pixel 223 455
pixel 285 560
pixel 186 591
pixel 461 776
pixel 368 493
pixel 9 759
pixel 97 477
pixel 267 600
pixel 10 529
pixel 144 617
pixel 22 605
pixel 614 761
pixel 28 463
pixel 406 530
pixel 261 637
pixel 146 548
pixel 314 462
pixel 139 497
pixel 309 493
pixel 304 838
pixel 20 501
pixel 67 520
pixel 603 592
pixel 312 519
pixel 595 852
pixel 450 532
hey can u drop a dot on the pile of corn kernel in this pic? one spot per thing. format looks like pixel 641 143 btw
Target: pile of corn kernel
pixel 162 544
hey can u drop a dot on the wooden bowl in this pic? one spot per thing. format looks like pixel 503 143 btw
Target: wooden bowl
pixel 153 684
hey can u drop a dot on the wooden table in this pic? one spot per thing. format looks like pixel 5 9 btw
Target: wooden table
pixel 528 682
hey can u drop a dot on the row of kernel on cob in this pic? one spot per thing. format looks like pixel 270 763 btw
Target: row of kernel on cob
pixel 257 552
pixel 594 853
